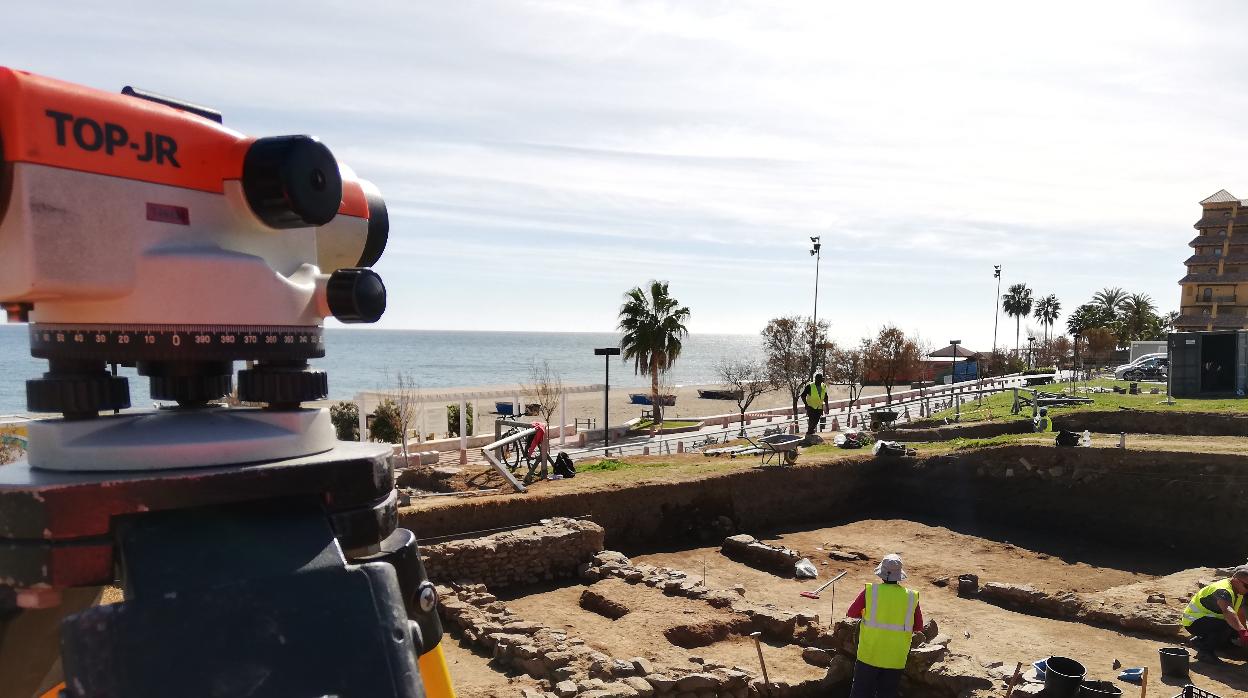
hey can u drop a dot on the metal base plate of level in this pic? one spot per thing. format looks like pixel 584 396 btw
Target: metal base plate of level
pixel 173 439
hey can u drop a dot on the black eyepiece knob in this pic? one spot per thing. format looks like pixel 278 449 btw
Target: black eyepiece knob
pixel 292 181
pixel 356 295
pixel 378 228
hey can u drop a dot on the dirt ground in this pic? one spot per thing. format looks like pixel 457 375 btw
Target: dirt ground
pixel 987 632
pixel 472 674
pixel 670 630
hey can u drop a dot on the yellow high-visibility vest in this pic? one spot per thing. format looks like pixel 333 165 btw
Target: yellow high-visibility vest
pixel 887 626
pixel 816 395
pixel 1196 610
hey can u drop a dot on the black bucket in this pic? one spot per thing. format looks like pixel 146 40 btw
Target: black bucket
pixel 1174 661
pixel 1062 676
pixel 1099 689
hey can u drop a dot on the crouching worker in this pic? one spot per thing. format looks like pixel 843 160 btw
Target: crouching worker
pixel 1215 616
pixel 890 616
pixel 1041 422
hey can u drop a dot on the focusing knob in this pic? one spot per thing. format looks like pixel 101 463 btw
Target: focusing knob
pixel 292 181
pixel 356 295
pixel 78 393
pixel 282 385
pixel 188 383
pixel 378 228
pixel 191 390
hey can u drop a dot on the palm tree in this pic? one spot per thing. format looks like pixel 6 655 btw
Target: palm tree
pixel 1047 311
pixel 1017 304
pixel 1110 298
pixel 1136 312
pixel 653 327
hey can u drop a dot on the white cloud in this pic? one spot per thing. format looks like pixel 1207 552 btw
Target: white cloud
pixel 572 149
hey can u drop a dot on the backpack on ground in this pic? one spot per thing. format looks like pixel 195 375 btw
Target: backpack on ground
pixel 1067 438
pixel 564 465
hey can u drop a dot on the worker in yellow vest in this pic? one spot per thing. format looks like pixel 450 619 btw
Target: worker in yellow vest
pixel 815 398
pixel 890 616
pixel 1215 616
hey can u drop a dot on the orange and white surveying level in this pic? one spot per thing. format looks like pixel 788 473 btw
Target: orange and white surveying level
pixel 138 230
pixel 258 555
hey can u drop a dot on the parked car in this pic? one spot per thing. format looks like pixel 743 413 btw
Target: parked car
pixel 1154 368
pixel 1121 370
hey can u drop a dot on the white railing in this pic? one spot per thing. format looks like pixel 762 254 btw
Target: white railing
pixel 911 404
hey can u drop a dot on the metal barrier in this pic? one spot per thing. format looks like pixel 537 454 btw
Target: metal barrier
pixel 924 402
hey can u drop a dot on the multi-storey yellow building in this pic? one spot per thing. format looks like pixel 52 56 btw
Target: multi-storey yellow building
pixel 1215 290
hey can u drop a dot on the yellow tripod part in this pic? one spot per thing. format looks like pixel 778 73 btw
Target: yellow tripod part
pixel 434 674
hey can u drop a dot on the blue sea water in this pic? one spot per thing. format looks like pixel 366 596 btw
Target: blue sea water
pixel 368 359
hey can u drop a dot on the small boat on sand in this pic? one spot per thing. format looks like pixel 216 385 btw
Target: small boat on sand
pixel 644 399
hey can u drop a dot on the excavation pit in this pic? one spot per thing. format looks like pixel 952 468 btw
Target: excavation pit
pixel 1056 576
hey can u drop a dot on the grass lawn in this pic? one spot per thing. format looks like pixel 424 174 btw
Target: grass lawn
pixel 667 424
pixel 998 406
pixel 675 468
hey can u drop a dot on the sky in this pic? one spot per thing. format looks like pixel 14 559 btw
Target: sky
pixel 540 158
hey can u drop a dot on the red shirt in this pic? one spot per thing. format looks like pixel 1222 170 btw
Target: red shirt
pixel 855 610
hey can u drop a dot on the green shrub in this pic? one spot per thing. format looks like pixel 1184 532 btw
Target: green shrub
pixel 1042 370
pixel 452 419
pixel 386 425
pixel 346 419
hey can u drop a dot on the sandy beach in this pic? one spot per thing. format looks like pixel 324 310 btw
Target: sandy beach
pixel 588 405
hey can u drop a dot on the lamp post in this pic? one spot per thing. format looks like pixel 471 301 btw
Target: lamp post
pixel 1074 368
pixel 996 273
pixel 953 379
pixel 606 353
pixel 815 246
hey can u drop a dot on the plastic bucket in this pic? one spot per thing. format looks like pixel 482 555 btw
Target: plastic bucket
pixel 1099 689
pixel 1062 677
pixel 1174 662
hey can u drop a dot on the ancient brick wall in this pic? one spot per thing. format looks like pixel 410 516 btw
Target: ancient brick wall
pixel 529 555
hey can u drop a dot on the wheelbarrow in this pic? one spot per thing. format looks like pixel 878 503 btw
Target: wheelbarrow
pixel 777 449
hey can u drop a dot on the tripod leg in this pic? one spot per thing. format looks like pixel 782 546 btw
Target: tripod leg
pixel 30 643
pixel 401 551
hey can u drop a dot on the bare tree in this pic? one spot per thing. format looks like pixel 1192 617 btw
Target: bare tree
pixel 787 343
pixel 848 367
pixel 409 401
pixel 747 378
pixel 890 357
pixel 546 387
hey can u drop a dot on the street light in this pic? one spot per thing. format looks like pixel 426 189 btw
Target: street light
pixel 996 273
pixel 1074 369
pixel 606 353
pixel 815 246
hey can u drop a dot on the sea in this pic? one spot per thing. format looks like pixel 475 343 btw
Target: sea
pixel 358 360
